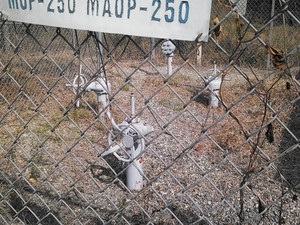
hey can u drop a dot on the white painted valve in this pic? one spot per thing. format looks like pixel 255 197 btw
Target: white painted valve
pixel 168 49
pixel 131 146
pixel 100 86
pixel 131 131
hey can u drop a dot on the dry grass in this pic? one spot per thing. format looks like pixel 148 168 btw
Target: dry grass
pixel 52 148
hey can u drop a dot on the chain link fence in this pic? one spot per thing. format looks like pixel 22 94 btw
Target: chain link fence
pixel 238 163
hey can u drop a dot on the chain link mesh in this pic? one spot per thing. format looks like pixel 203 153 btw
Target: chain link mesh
pixel 237 163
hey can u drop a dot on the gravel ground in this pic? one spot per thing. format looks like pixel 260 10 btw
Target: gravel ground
pixel 194 163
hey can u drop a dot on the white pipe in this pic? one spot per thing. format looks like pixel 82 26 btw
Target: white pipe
pixel 134 175
pixel 115 126
pixel 134 172
pixel 132 105
pixel 215 69
pixel 169 64
pixel 214 86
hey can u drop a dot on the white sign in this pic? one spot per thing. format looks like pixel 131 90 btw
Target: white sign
pixel 169 19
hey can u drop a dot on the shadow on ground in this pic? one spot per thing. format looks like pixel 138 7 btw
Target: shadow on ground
pixel 289 164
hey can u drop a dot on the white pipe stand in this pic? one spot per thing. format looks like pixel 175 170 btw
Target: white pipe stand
pixel 214 86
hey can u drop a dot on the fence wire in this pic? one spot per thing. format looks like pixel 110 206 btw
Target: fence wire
pixel 238 163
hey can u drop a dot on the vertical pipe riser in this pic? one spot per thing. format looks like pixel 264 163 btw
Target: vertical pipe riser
pixel 169 65
pixel 134 175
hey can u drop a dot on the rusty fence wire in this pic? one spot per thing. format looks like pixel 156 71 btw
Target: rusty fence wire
pixel 207 154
